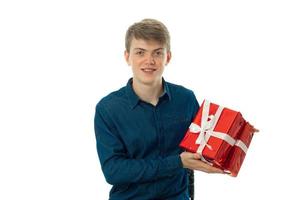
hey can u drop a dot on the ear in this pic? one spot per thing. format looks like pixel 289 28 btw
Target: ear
pixel 169 56
pixel 126 56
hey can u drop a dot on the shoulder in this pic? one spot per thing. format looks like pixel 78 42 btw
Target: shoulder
pixel 184 99
pixel 179 90
pixel 112 99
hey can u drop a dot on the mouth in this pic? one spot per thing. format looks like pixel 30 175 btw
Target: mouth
pixel 148 70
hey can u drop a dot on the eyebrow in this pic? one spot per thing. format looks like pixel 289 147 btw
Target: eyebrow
pixel 146 50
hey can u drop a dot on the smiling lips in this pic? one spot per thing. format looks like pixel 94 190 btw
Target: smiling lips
pixel 148 69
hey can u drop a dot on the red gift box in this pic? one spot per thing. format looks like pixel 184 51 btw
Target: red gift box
pixel 213 133
pixel 238 151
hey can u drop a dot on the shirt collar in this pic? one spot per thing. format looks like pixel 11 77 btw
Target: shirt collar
pixel 134 99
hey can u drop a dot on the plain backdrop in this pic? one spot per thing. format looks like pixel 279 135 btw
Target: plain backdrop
pixel 59 58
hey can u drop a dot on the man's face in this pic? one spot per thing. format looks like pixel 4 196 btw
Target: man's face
pixel 147 59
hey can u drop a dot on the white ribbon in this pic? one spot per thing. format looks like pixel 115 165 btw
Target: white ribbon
pixel 242 145
pixel 206 130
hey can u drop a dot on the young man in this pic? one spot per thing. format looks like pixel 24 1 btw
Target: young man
pixel 139 127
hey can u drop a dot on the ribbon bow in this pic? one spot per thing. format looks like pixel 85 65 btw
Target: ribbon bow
pixel 208 123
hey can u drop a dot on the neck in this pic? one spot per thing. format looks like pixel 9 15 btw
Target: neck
pixel 148 92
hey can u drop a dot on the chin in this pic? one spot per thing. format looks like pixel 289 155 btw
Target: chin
pixel 148 80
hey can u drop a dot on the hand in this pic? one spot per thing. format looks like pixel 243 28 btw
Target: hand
pixel 255 130
pixel 192 161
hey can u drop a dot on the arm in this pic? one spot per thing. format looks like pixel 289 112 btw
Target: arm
pixel 117 167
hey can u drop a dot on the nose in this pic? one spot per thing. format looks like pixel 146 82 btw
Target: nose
pixel 150 59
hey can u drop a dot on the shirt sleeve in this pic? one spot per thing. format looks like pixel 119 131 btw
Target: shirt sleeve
pixel 117 167
pixel 195 105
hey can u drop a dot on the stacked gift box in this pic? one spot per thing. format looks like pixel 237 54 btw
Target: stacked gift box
pixel 220 135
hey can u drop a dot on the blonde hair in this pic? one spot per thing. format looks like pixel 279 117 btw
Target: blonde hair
pixel 148 29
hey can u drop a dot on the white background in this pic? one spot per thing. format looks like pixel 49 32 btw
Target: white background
pixel 59 57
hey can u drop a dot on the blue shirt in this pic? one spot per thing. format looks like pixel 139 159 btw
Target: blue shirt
pixel 137 142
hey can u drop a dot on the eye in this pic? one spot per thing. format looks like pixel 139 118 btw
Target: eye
pixel 158 53
pixel 140 53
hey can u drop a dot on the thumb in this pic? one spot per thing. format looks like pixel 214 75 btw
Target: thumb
pixel 197 156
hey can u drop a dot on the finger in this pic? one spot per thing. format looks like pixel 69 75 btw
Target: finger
pixel 255 130
pixel 212 169
pixel 197 156
pixel 216 170
pixel 219 171
pixel 206 167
